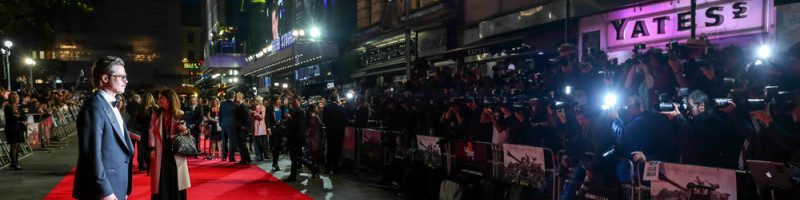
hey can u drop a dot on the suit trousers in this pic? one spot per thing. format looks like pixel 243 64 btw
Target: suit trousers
pixel 276 145
pixel 236 142
pixel 334 153
pixel 226 133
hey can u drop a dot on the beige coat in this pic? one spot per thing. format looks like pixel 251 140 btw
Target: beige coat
pixel 156 139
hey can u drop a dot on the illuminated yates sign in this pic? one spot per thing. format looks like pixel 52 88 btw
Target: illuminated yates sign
pixel 670 20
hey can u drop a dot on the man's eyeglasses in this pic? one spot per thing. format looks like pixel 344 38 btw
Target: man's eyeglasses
pixel 125 77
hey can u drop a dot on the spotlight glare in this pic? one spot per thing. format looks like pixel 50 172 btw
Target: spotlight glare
pixel 568 90
pixel 764 52
pixel 315 32
pixel 610 100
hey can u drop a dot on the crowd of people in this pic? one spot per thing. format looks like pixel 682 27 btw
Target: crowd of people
pixel 18 106
pixel 690 104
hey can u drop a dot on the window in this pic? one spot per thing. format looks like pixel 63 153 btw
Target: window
pixel 190 54
pixel 189 38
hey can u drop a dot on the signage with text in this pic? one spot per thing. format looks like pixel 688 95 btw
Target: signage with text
pixel 671 20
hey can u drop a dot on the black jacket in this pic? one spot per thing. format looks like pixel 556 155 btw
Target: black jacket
pixel 297 123
pixel 334 118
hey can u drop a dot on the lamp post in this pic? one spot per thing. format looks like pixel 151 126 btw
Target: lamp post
pixel 7 66
pixel 30 62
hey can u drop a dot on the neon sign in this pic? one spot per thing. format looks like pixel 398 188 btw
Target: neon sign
pixel 662 22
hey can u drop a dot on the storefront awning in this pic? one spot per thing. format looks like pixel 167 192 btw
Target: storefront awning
pixel 296 55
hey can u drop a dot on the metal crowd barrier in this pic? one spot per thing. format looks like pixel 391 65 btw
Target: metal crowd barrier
pixel 392 144
pixel 42 134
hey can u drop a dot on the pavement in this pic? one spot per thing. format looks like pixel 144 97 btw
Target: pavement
pixel 42 170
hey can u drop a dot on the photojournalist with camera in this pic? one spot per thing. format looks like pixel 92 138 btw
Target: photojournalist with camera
pixel 705 136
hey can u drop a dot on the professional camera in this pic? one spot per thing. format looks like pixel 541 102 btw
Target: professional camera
pixel 677 51
pixel 667 102
pixel 777 100
pixel 638 56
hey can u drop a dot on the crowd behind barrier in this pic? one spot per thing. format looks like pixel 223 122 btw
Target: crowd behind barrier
pixel 49 118
pixel 595 122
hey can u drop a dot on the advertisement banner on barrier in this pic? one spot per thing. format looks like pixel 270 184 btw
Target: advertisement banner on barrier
pixel 432 153
pixel 678 181
pixel 349 144
pixel 371 147
pixel 523 164
pixel 33 135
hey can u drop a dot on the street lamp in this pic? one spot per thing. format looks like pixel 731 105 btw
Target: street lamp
pixel 6 65
pixel 30 62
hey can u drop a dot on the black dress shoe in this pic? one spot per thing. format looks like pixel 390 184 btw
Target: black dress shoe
pixel 231 160
pixel 276 168
pixel 245 162
pixel 16 167
pixel 290 179
pixel 223 159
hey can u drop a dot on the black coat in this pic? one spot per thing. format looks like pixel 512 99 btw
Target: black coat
pixel 297 124
pixel 709 140
pixel 334 118
pixel 15 129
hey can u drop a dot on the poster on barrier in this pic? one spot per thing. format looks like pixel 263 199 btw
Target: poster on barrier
pixel 349 144
pixel 679 181
pixel 33 136
pixel 371 147
pixel 431 152
pixel 523 164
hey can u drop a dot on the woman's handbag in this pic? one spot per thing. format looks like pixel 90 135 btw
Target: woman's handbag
pixel 183 144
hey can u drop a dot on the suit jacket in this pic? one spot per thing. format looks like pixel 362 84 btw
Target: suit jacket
pixel 194 116
pixel 334 118
pixel 105 153
pixel 226 114
pixel 242 118
pixel 297 124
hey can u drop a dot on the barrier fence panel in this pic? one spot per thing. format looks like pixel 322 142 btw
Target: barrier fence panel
pixel 369 145
pixel 528 167
pixel 4 149
pixel 349 142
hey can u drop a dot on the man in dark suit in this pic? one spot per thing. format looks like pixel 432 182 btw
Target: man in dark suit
pixel 226 122
pixel 241 116
pixel 194 117
pixel 296 127
pixel 105 152
pixel 335 120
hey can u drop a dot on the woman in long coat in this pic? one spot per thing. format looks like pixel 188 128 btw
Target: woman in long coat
pixel 169 173
pixel 15 128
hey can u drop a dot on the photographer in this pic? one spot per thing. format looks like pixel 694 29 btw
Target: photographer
pixel 774 136
pixel 647 135
pixel 657 77
pixel 706 137
pixel 473 127
pixel 788 77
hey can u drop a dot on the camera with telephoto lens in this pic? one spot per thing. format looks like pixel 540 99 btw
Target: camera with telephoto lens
pixel 667 102
pixel 677 51
pixel 777 100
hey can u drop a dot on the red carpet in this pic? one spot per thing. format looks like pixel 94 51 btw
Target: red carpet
pixel 210 180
